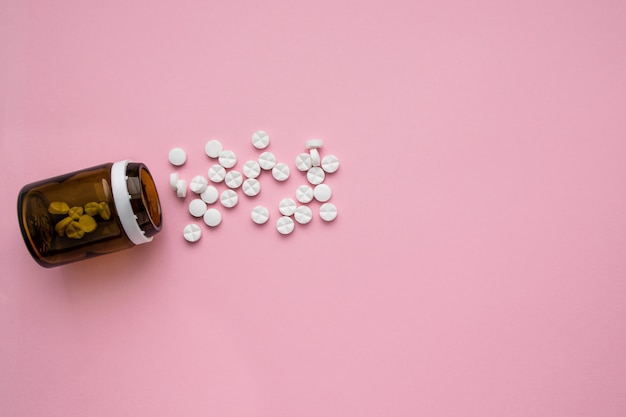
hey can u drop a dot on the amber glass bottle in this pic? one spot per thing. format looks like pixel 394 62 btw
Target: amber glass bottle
pixel 89 212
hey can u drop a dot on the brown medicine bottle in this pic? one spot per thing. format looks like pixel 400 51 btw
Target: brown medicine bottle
pixel 90 212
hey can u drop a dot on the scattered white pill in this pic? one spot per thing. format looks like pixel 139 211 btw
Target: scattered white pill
pixel 197 207
pixel 210 195
pixel 260 139
pixel 303 214
pixel 328 212
pixel 251 187
pixel 181 188
pixel 315 175
pixel 233 179
pixel 284 225
pixel 229 198
pixel 213 148
pixel 322 193
pixel 267 160
pixel 314 144
pixel 217 173
pixel 260 215
pixel 198 184
pixel 303 162
pixel 177 156
pixel 251 169
pixel 192 233
pixel 304 194
pixel 281 171
pixel 287 206
pixel 174 180
pixel 227 159
pixel 315 157
pixel 330 163
pixel 212 217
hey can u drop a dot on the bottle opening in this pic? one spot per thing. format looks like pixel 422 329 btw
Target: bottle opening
pixel 150 197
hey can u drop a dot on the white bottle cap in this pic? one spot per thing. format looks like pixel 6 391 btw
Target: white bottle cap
pixel 121 196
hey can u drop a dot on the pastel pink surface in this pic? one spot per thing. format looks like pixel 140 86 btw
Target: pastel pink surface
pixel 477 264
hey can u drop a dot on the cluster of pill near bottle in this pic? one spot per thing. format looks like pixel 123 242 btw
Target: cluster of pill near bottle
pixel 310 162
pixel 78 220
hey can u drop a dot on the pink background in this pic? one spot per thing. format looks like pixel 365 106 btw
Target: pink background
pixel 477 266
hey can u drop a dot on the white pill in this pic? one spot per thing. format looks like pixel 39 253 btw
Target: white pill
pixel 177 156
pixel 328 212
pixel 197 207
pixel 213 148
pixel 322 193
pixel 212 217
pixel 304 194
pixel 251 169
pixel 303 162
pixel 330 163
pixel 233 179
pixel 315 157
pixel 260 139
pixel 284 225
pixel 287 206
pixel 198 184
pixel 267 160
pixel 260 215
pixel 192 232
pixel 227 159
pixel 303 214
pixel 251 187
pixel 210 195
pixel 315 175
pixel 181 188
pixel 217 173
pixel 314 144
pixel 174 180
pixel 229 198
pixel 281 171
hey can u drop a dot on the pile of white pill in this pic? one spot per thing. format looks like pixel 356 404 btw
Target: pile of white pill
pixel 222 171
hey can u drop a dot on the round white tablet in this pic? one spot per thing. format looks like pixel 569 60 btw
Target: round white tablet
pixel 213 148
pixel 210 195
pixel 251 169
pixel 314 143
pixel 315 175
pixel 322 193
pixel 267 160
pixel 233 179
pixel 174 180
pixel 212 217
pixel 198 184
pixel 330 163
pixel 227 159
pixel 315 157
pixel 303 214
pixel 284 225
pixel 287 206
pixel 197 207
pixel 328 212
pixel 192 232
pixel 217 173
pixel 177 156
pixel 304 194
pixel 251 187
pixel 281 171
pixel 181 188
pixel 229 198
pixel 260 214
pixel 303 162
pixel 260 139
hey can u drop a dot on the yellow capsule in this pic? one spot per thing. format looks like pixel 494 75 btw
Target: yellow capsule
pixel 87 223
pixel 61 225
pixel 104 211
pixel 74 231
pixel 92 208
pixel 75 212
pixel 58 207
